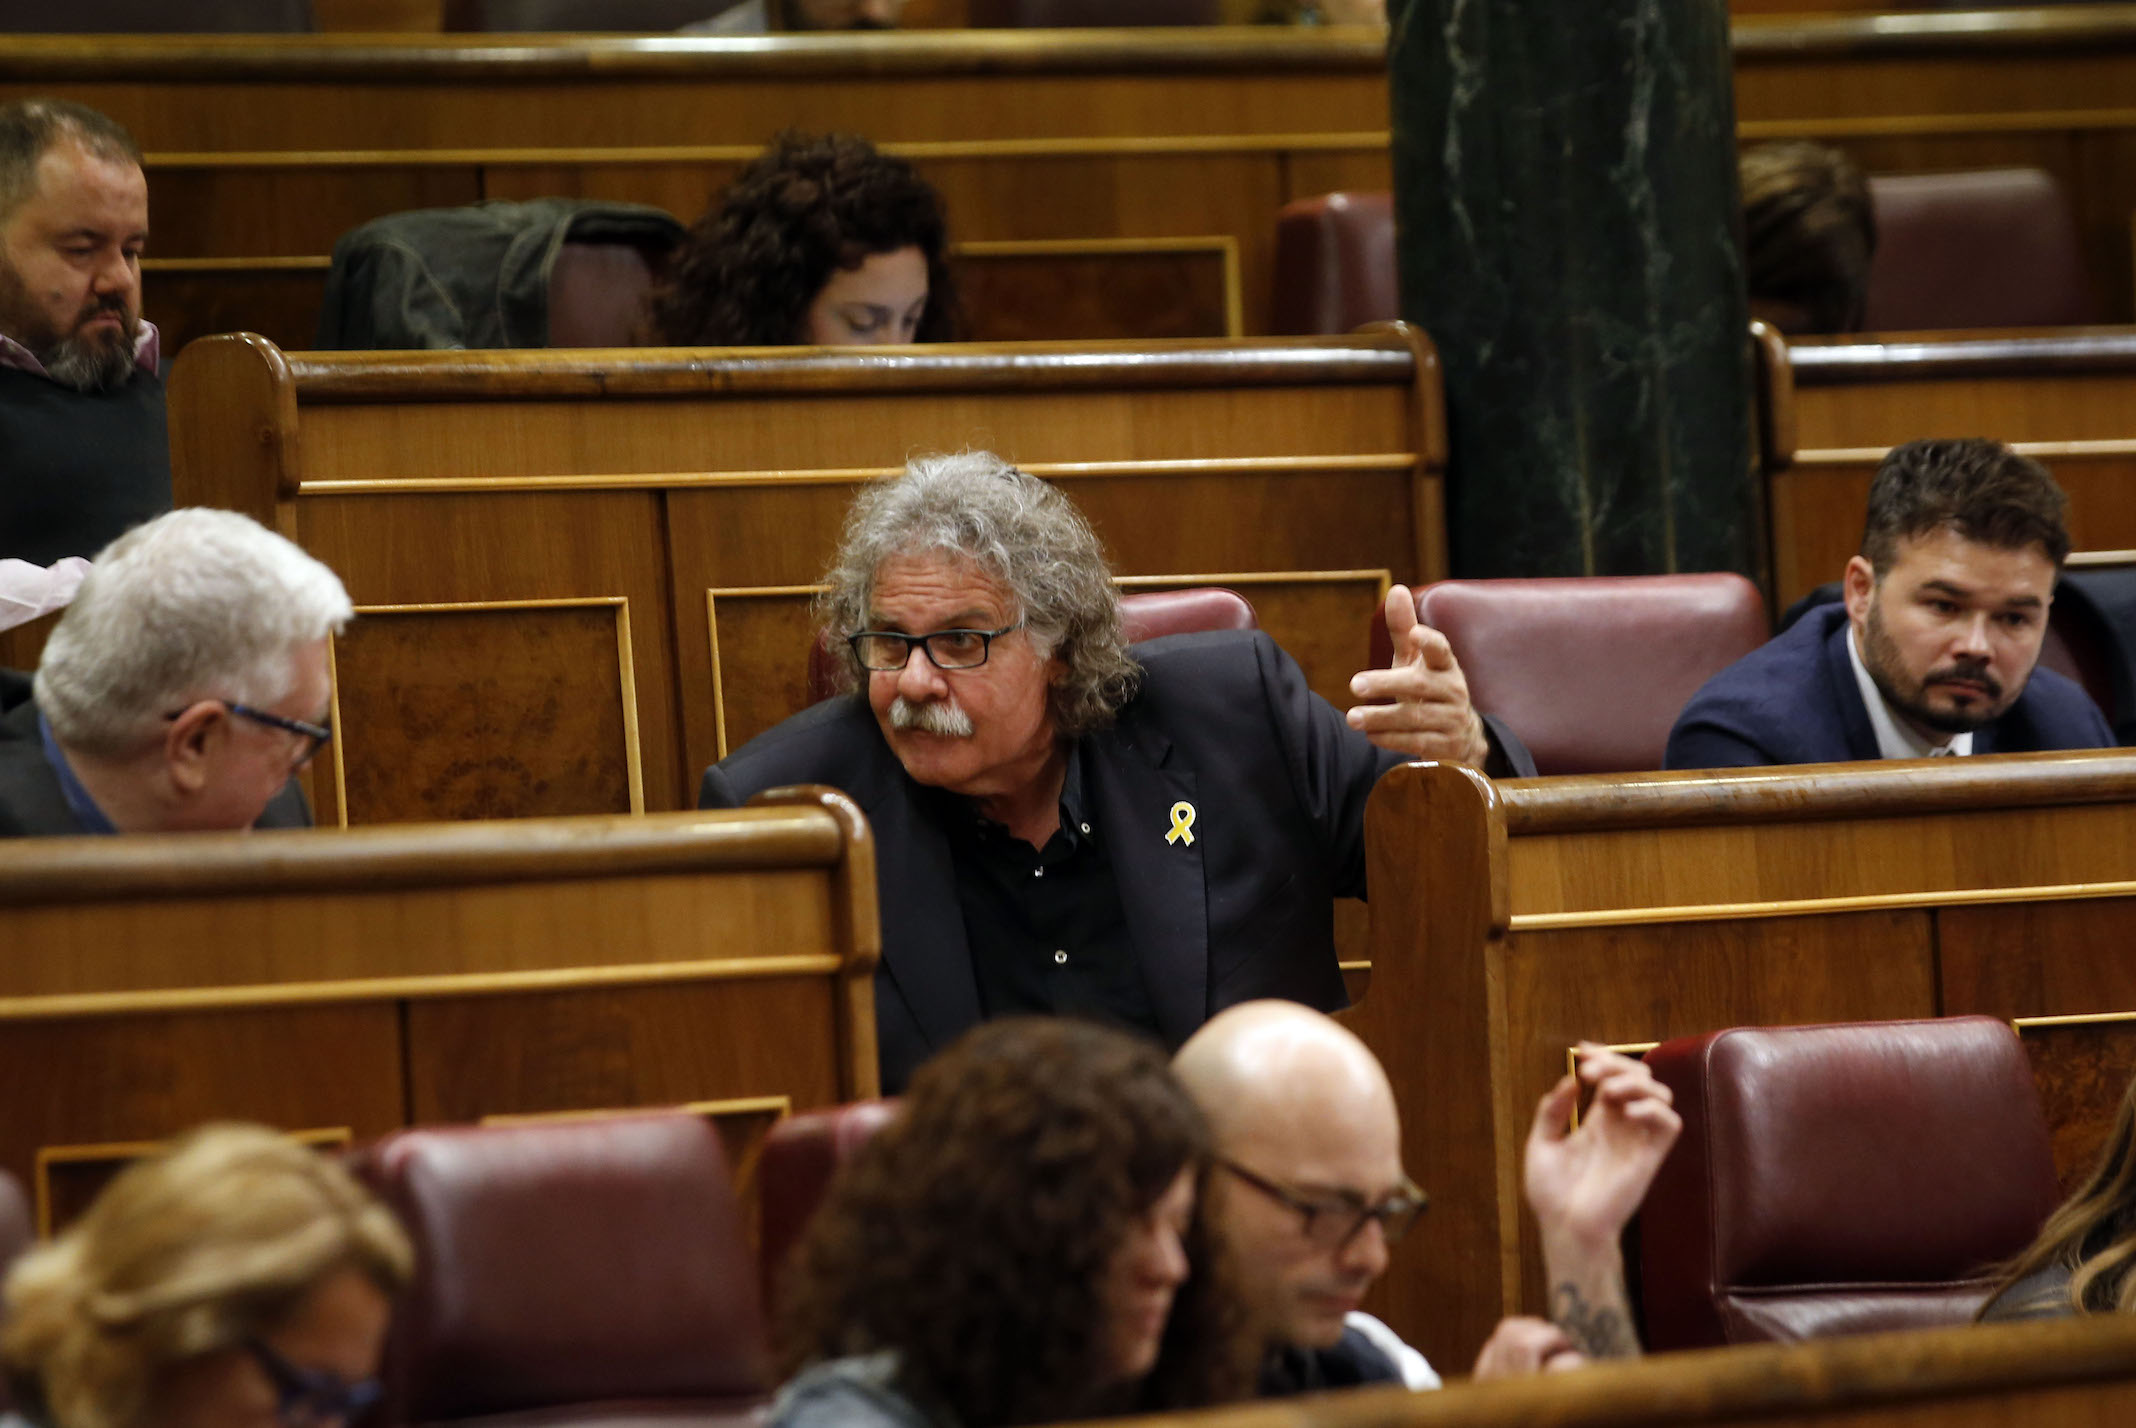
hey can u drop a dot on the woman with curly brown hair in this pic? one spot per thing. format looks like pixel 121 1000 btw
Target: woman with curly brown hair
pixel 820 240
pixel 1018 1246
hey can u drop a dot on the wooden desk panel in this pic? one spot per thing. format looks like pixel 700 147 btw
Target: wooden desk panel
pixel 2067 399
pixel 2068 1374
pixel 1510 920
pixel 355 982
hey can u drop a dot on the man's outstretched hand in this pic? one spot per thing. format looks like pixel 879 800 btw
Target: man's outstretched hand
pixel 1419 705
pixel 1585 1185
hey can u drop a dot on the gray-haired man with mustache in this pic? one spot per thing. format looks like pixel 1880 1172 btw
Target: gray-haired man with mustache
pixel 1063 824
pixel 87 455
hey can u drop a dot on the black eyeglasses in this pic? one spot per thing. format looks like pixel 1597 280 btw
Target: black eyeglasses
pixel 305 1397
pixel 320 734
pixel 949 649
pixel 1331 1221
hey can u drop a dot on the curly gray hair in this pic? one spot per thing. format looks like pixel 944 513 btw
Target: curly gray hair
pixel 1020 531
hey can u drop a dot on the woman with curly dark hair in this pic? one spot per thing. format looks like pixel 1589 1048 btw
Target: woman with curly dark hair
pixel 820 240
pixel 1018 1246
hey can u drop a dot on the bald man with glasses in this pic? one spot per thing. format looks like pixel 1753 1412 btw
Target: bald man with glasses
pixel 1308 1198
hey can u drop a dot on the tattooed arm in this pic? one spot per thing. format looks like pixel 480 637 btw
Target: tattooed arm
pixel 1584 1186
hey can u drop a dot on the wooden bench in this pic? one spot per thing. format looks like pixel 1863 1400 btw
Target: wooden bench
pixel 585 577
pixel 1511 920
pixel 343 984
pixel 1124 161
pixel 1838 404
pixel 2057 1375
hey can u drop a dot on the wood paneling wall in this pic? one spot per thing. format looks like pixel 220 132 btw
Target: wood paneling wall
pixel 346 984
pixel 264 149
pixel 2070 1374
pixel 2068 399
pixel 585 576
pixel 1511 920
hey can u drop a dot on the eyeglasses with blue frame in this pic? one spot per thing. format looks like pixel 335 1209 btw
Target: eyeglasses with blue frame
pixel 306 1397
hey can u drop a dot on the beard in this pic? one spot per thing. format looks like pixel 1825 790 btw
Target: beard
pixel 1880 656
pixel 96 361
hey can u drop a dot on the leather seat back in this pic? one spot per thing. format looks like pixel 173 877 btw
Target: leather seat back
pixel 1840 1179
pixel 569 1265
pixel 1989 248
pixel 801 1156
pixel 1591 672
pixel 1334 264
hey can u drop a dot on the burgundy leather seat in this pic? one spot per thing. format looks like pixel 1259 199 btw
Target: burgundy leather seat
pixel 17 1233
pixel 1989 248
pixel 571 1272
pixel 1144 617
pixel 598 293
pixel 800 1156
pixel 1839 1179
pixel 1335 267
pixel 1591 672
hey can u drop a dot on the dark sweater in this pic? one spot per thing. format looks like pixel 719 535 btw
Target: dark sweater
pixel 78 468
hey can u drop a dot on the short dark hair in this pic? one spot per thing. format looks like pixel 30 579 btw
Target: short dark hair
pixel 1809 230
pixel 1979 488
pixel 30 127
pixel 806 207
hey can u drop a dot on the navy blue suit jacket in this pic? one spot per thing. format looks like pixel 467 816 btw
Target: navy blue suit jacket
pixel 1794 700
pixel 1222 721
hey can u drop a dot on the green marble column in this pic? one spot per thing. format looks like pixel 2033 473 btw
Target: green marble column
pixel 1565 188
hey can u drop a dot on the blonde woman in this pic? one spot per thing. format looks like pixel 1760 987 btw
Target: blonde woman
pixel 236 1279
pixel 2081 1262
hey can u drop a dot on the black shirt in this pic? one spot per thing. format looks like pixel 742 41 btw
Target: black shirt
pixel 1045 926
pixel 78 469
pixel 1353 1362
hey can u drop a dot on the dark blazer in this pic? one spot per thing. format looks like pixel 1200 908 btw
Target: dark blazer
pixel 1222 721
pixel 31 803
pixel 1794 700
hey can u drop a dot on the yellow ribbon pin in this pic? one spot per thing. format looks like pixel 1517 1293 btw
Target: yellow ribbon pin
pixel 1182 823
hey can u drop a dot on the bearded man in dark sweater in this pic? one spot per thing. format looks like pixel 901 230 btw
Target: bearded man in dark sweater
pixel 86 450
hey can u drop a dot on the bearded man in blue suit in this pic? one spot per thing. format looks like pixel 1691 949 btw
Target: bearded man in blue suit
pixel 1932 650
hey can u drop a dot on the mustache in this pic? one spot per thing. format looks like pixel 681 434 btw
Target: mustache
pixel 1975 672
pixel 936 716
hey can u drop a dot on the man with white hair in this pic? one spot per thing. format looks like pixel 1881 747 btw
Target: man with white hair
pixel 182 690
pixel 1308 1196
pixel 1067 825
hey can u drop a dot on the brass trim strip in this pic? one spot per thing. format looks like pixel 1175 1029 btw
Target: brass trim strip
pixel 317 1138
pixel 2100 558
pixel 309 263
pixel 1367 462
pixel 1092 146
pixel 1816 906
pixel 2027 1023
pixel 1382 577
pixel 780 1108
pixel 427 987
pixel 1870 455
pixel 1864 125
